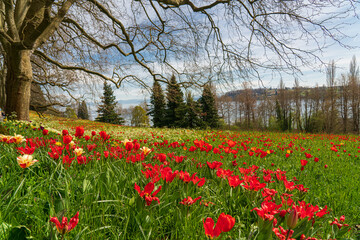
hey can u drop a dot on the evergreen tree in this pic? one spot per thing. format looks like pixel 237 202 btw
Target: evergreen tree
pixel 208 106
pixel 157 110
pixel 106 109
pixel 83 112
pixel 139 117
pixel 193 112
pixel 176 107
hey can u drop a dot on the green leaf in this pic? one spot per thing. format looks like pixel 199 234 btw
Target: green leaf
pixel 4 230
pixel 86 185
pixel 265 230
pixel 302 227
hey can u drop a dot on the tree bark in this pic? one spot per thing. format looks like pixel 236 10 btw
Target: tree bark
pixel 2 86
pixel 18 82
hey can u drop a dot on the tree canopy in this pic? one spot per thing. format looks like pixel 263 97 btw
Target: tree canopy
pixel 139 117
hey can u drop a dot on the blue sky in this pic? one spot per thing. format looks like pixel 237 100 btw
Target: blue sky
pixel 309 76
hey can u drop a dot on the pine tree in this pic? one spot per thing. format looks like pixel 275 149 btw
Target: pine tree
pixel 176 108
pixel 106 109
pixel 193 111
pixel 83 112
pixel 208 106
pixel 157 110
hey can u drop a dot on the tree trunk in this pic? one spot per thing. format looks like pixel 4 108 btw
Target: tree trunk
pixel 18 82
pixel 2 86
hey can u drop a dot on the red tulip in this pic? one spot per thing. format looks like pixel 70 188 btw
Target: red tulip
pixel 129 146
pixel 45 132
pixel 214 164
pixel 147 193
pixel 231 143
pixel 136 146
pixel 79 132
pixel 67 139
pixel 210 232
pixel 303 162
pixel 161 157
pixel 104 135
pixel 65 227
pixel 224 224
pixel 189 200
pixel 234 181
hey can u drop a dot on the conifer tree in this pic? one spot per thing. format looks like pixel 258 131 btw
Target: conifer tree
pixel 176 107
pixel 193 111
pixel 158 105
pixel 208 106
pixel 106 109
pixel 83 112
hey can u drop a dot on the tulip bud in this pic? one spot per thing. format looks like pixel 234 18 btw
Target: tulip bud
pixel 292 219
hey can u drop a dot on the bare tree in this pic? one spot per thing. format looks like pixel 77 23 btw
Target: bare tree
pixel 248 101
pixel 226 108
pixel 344 101
pixel 354 82
pixel 197 40
pixel 298 104
pixel 330 108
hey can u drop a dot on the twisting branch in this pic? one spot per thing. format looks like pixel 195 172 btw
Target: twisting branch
pixel 178 3
pixel 127 37
pixel 61 66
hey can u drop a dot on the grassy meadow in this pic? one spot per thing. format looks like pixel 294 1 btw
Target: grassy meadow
pixel 135 183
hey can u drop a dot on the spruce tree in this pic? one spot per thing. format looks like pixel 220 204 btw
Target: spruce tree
pixel 158 104
pixel 83 112
pixel 106 109
pixel 193 112
pixel 208 106
pixel 176 107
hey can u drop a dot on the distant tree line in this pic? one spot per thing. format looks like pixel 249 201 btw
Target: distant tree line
pixel 171 110
pixel 332 108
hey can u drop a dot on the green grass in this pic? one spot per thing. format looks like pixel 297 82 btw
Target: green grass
pixel 109 208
